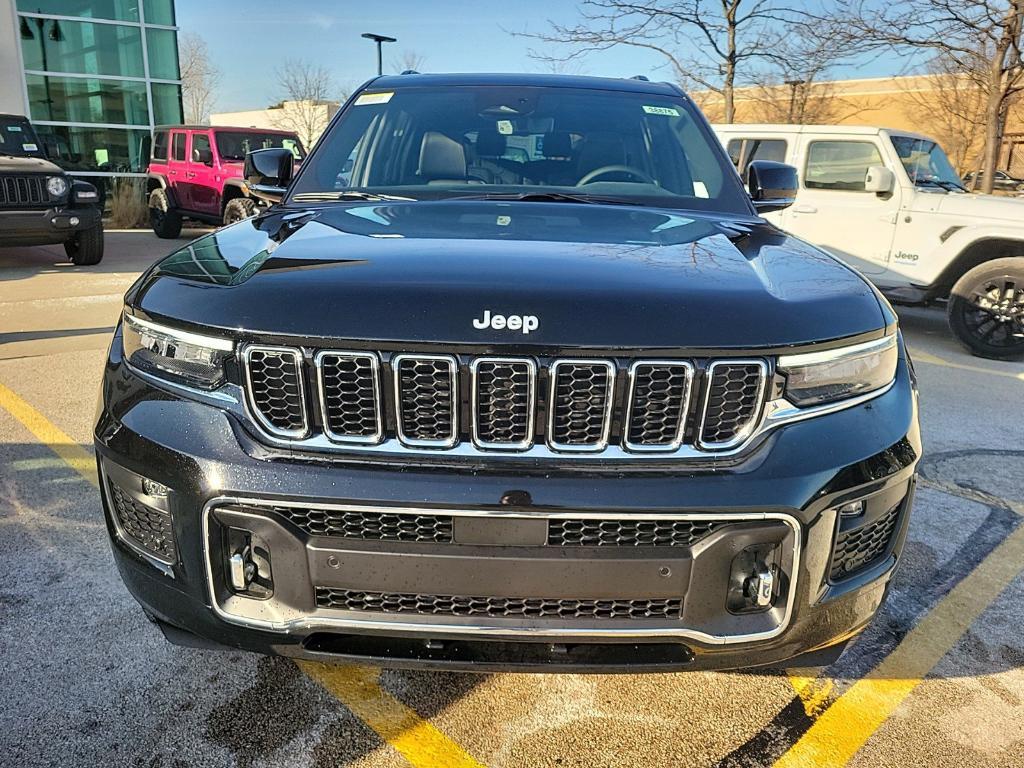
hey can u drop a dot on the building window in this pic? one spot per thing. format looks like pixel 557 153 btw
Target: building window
pixel 53 45
pixel 167 104
pixel 87 100
pixel 160 12
pixel 115 10
pixel 91 148
pixel 163 54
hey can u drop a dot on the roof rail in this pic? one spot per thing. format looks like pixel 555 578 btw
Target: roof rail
pixel 408 72
pixel 645 78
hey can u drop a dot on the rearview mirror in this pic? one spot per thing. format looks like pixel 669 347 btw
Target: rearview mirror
pixel 268 172
pixel 772 186
pixel 879 179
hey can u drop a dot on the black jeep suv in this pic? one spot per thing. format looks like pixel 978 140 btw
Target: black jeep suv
pixel 39 203
pixel 512 376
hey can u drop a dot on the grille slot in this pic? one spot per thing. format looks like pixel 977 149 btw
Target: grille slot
pixel 369 525
pixel 23 190
pixel 580 405
pixel 735 394
pixel 659 397
pixel 628 533
pixel 504 394
pixel 426 398
pixel 861 547
pixel 276 389
pixel 498 607
pixel 349 387
pixel 146 528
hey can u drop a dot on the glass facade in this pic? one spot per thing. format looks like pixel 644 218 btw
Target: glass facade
pixel 98 75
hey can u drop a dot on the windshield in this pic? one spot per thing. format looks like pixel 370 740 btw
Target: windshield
pixel 18 138
pixel 509 141
pixel 232 145
pixel 925 161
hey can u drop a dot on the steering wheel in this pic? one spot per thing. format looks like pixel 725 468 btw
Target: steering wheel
pixel 604 170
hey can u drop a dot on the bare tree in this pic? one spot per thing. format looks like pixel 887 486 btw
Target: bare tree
pixel 199 78
pixel 979 39
pixel 715 44
pixel 409 60
pixel 307 91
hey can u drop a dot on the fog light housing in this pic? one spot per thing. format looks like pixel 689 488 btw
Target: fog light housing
pixel 153 488
pixel 851 508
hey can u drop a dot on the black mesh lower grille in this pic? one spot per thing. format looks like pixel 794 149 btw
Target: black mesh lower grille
pixel 149 529
pixel 861 547
pixel 627 533
pixel 369 525
pixel 498 607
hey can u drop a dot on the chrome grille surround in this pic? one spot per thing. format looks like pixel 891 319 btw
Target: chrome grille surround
pixel 717 408
pixel 412 409
pixel 481 369
pixel 345 399
pixel 295 410
pixel 677 407
pixel 570 411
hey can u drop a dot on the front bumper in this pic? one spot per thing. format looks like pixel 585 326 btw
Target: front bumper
pixel 46 227
pixel 783 496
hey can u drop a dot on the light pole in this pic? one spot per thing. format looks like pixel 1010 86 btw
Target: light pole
pixel 378 39
pixel 793 85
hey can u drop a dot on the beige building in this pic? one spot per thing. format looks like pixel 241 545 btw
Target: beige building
pixel 946 108
pixel 307 118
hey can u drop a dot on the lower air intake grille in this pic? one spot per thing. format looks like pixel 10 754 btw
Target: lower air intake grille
pixel 581 399
pixel 379 526
pixel 735 394
pixel 858 548
pixel 497 607
pixel 627 533
pixel 147 528
pixel 276 389
pixel 427 396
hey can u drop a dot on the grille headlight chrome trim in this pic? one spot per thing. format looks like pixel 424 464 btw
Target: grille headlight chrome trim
pixel 815 378
pixel 400 411
pixel 684 406
pixel 753 419
pixel 374 363
pixel 606 411
pixel 531 402
pixel 182 356
pixel 257 410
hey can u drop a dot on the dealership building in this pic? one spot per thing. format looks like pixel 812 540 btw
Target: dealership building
pixel 93 76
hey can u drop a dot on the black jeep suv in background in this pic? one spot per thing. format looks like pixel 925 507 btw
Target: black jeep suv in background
pixel 39 203
pixel 512 376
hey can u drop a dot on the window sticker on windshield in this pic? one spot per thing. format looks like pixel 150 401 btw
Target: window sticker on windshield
pixel 505 127
pixel 667 111
pixel 374 98
pixel 14 128
pixel 29 148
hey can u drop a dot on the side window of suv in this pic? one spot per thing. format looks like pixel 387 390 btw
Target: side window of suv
pixel 743 152
pixel 200 146
pixel 841 165
pixel 160 146
pixel 178 147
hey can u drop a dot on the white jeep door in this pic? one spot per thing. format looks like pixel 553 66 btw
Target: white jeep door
pixel 833 210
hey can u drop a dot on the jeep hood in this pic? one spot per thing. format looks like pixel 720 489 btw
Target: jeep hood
pixel 593 275
pixel 977 208
pixel 27 164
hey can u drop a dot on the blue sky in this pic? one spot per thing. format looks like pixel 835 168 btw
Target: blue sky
pixel 248 40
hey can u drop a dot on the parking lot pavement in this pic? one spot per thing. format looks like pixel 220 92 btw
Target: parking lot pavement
pixel 937 680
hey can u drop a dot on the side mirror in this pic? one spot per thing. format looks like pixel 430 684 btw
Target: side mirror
pixel 204 156
pixel 879 179
pixel 772 186
pixel 268 172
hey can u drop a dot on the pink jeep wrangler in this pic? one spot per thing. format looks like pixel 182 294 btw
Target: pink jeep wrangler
pixel 195 172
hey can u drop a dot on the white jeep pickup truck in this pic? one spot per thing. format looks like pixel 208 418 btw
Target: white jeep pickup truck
pixel 889 203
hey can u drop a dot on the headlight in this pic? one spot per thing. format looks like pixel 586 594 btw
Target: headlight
pixel 837 374
pixel 57 186
pixel 174 354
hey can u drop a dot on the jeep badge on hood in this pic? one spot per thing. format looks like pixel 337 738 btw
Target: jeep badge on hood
pixel 524 323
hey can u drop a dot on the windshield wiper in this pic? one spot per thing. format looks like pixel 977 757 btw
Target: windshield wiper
pixel 949 186
pixel 545 197
pixel 348 194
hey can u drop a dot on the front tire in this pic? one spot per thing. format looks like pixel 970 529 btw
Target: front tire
pixel 986 309
pixel 165 221
pixel 86 247
pixel 238 209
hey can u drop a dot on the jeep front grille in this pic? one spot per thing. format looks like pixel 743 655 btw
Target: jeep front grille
pixel 23 190
pixel 498 607
pixel 369 525
pixel 594 532
pixel 504 404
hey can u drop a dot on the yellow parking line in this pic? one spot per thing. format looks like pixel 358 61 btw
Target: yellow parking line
pixel 841 730
pixel 930 359
pixel 419 742
pixel 357 688
pixel 46 432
